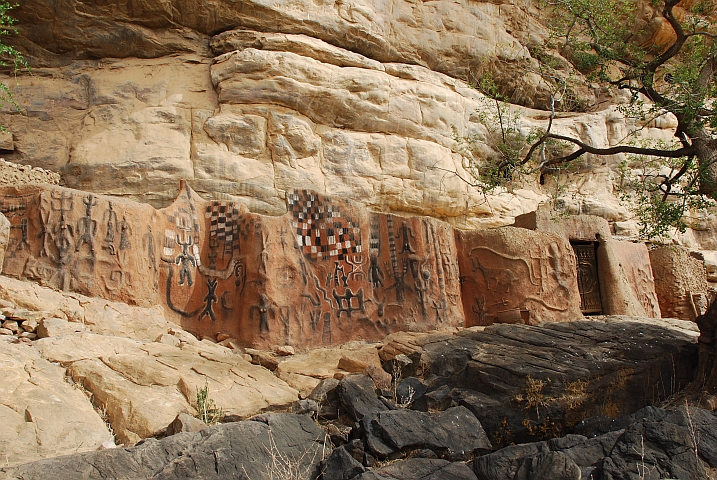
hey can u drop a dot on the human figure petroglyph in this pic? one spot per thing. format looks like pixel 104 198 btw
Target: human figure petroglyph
pixel 264 309
pixel 407 234
pixel 209 299
pixel 111 222
pixel 185 260
pixel 375 274
pixel 86 225
pixel 125 232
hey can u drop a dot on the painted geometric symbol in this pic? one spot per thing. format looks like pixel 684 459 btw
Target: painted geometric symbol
pixel 322 231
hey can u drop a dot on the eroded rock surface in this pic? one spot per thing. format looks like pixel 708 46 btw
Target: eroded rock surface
pixel 526 382
pixel 242 450
pixel 143 386
pixel 366 100
pixel 41 414
pixel 653 443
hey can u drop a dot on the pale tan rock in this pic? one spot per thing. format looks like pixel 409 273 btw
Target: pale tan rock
pixel 41 415
pixel 351 365
pixel 5 331
pixel 101 316
pixel 230 342
pixel 185 423
pixel 135 411
pixel 285 350
pixel 21 315
pixel 710 262
pixel 324 362
pixel 6 142
pixel 143 386
pixel 69 348
pixel 33 297
pixel 300 44
pixel 265 359
pixel 303 383
pixel 168 339
pixel 114 318
pixel 12 326
pixel 29 325
pixel 54 327
pixel 28 335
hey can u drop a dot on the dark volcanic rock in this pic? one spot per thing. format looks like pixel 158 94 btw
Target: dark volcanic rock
pixel 656 443
pixel 504 464
pixel 240 450
pixel 410 390
pixel 552 465
pixel 340 466
pixel 454 434
pixel 358 396
pixel 421 469
pixel 526 383
pixel 664 446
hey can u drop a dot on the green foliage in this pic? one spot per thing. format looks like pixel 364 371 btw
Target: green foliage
pixel 209 413
pixel 504 136
pixel 660 207
pixel 592 34
pixel 9 56
pixel 608 43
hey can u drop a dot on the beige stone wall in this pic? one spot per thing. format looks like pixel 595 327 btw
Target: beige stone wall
pixel 365 100
pixel 680 280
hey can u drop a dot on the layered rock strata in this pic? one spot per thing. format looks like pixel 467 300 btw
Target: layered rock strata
pixel 365 100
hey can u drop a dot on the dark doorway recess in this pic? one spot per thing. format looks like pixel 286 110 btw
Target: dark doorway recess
pixel 588 279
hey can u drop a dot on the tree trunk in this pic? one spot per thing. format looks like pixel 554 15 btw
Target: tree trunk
pixel 706 153
pixel 706 373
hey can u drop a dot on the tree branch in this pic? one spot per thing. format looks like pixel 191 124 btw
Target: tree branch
pixel 585 148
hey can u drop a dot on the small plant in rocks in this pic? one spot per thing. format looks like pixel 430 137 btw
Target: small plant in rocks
pixel 209 413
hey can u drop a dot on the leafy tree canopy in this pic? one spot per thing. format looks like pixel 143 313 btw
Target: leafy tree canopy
pixel 610 43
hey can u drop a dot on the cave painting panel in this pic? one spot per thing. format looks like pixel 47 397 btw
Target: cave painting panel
pixel 513 275
pixel 78 241
pixel 326 272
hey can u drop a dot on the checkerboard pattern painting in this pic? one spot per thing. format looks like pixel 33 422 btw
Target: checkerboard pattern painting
pixel 223 225
pixel 322 231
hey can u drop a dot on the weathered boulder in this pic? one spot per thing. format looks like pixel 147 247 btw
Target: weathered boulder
pixel 654 443
pixel 247 450
pixel 55 309
pixel 421 469
pixel 42 415
pixel 680 282
pixel 530 382
pixel 144 386
pixel 305 370
pixel 661 447
pixel 340 464
pixel 453 434
pixel 357 394
pixel 555 465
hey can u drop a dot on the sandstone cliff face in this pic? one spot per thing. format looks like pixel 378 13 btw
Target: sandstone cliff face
pixel 360 99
